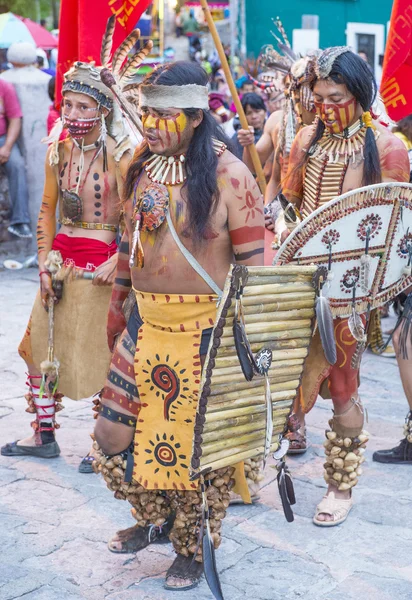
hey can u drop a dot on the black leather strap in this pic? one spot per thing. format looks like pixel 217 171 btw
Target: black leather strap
pixel 129 464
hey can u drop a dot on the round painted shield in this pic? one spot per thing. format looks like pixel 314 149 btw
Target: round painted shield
pixel 364 238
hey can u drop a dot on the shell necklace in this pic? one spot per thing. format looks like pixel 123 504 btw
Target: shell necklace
pixel 159 167
pixel 169 170
pixel 341 147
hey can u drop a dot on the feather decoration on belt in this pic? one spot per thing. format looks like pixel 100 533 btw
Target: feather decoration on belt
pixel 286 491
pixel 356 326
pixel 137 255
pixel 407 269
pixel 209 558
pixel 358 331
pixel 263 361
pixel 325 325
pixel 243 349
pixel 290 211
pixel 49 368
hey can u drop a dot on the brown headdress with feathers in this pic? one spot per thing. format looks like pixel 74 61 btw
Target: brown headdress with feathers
pixel 298 73
pixel 119 69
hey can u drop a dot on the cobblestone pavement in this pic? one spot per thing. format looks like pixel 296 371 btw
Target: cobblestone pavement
pixel 55 522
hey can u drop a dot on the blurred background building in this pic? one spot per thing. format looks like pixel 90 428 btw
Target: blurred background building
pixel 361 24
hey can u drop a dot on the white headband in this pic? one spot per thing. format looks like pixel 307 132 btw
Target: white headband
pixel 174 96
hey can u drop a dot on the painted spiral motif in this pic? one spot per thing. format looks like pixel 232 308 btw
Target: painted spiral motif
pixel 349 280
pixel 167 381
pixel 405 246
pixel 165 454
pixel 371 223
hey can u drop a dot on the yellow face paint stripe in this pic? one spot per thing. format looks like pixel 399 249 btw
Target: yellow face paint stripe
pixel 175 124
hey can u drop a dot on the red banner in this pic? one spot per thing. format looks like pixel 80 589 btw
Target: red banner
pixel 82 25
pixel 396 85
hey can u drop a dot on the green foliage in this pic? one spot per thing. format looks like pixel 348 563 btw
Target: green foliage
pixel 27 8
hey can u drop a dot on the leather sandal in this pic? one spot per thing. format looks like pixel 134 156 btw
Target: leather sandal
pixel 337 508
pixel 137 538
pixel 297 441
pixel 86 465
pixel 184 567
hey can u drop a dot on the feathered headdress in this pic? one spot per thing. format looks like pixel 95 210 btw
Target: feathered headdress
pixel 84 78
pixel 298 71
pixel 119 69
pixel 326 59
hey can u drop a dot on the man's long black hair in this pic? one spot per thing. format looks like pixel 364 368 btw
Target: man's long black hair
pixel 354 72
pixel 201 187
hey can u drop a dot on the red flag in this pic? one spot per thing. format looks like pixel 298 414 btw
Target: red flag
pixel 396 85
pixel 82 25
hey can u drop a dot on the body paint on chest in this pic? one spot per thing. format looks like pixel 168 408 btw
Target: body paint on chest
pixel 245 195
pixel 106 194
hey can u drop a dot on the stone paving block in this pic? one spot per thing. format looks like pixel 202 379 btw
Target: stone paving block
pixel 373 587
pixel 23 583
pixel 94 568
pixel 24 498
pixel 9 475
pixel 361 546
pixel 153 590
pixel 268 573
pixel 50 593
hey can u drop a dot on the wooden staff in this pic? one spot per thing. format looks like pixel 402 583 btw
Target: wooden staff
pixel 242 117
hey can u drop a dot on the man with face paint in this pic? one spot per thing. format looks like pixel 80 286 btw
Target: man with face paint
pixel 343 150
pixel 83 179
pixel 193 209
